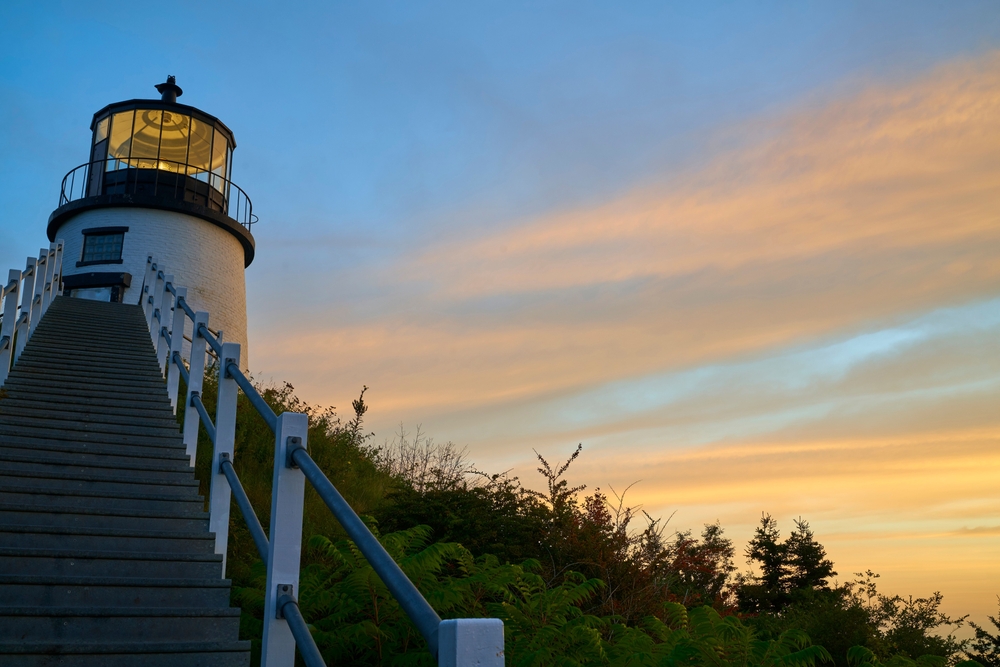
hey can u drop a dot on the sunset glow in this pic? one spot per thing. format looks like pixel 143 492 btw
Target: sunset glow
pixel 787 305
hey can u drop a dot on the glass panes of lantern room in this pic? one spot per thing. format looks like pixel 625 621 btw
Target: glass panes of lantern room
pixel 165 140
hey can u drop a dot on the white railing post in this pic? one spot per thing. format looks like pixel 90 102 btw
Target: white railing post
pixel 57 269
pixel 225 441
pixel 50 266
pixel 166 316
pixel 471 641
pixel 176 341
pixel 148 287
pixel 284 550
pixel 27 292
pixel 9 293
pixel 36 300
pixel 158 290
pixel 196 374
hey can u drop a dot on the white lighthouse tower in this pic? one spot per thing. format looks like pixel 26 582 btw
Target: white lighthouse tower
pixel 158 182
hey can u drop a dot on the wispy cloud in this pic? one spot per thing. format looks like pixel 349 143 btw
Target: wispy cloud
pixel 848 213
pixel 804 324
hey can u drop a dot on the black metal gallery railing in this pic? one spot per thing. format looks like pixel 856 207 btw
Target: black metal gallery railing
pixel 158 178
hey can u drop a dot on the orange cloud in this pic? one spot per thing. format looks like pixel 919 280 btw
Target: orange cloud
pixel 835 220
pixel 848 212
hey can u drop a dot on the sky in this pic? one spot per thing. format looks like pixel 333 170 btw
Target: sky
pixel 745 253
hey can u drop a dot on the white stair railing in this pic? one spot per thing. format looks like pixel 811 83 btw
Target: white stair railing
pixel 35 287
pixel 454 642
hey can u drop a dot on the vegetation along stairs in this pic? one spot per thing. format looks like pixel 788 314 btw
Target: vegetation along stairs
pixel 105 554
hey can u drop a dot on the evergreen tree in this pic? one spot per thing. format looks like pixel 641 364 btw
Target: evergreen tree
pixel 806 564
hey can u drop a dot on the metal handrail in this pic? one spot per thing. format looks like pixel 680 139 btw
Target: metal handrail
pixel 243 502
pixel 205 419
pixel 176 358
pixel 409 598
pixel 212 341
pixel 288 608
pixel 76 184
pixel 256 400
pixel 182 302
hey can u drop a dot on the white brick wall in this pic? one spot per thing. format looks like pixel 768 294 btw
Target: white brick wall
pixel 203 257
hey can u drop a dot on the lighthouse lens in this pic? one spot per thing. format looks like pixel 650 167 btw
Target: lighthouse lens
pixel 174 141
pixel 200 154
pixel 146 139
pixel 121 140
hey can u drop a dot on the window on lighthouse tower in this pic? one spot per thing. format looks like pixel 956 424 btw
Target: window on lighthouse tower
pixel 103 246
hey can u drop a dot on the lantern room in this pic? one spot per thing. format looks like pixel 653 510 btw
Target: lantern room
pixel 162 148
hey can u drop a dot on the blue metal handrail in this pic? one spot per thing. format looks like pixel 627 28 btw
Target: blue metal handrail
pixel 409 598
pixel 256 400
pixel 182 302
pixel 176 358
pixel 205 419
pixel 288 608
pixel 210 339
pixel 243 502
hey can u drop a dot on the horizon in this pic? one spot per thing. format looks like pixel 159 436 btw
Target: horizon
pixel 745 256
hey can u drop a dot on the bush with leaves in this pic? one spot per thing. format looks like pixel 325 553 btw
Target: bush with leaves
pixel 574 583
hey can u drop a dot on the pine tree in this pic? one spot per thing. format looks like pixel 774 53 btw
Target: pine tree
pixel 805 560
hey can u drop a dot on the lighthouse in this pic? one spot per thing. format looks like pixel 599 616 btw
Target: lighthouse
pixel 158 183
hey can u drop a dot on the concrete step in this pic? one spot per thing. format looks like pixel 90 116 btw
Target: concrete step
pixel 142 624
pixel 167 654
pixel 31 469
pixel 68 516
pixel 85 338
pixel 19 590
pixel 16 426
pixel 65 481
pixel 75 331
pixel 55 375
pixel 105 539
pixel 43 349
pixel 66 484
pixel 71 389
pixel 150 467
pixel 17 560
pixel 81 363
pixel 123 592
pixel 24 493
pixel 94 415
pixel 114 452
pixel 71 406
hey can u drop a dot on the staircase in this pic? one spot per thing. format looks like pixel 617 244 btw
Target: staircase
pixel 105 554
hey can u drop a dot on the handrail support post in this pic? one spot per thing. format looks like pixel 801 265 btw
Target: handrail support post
pixel 156 305
pixel 176 343
pixel 27 291
pixel 36 300
pixel 471 641
pixel 285 538
pixel 225 442
pixel 163 322
pixel 196 376
pixel 9 292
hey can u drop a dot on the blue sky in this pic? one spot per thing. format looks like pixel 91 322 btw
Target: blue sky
pixel 744 252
